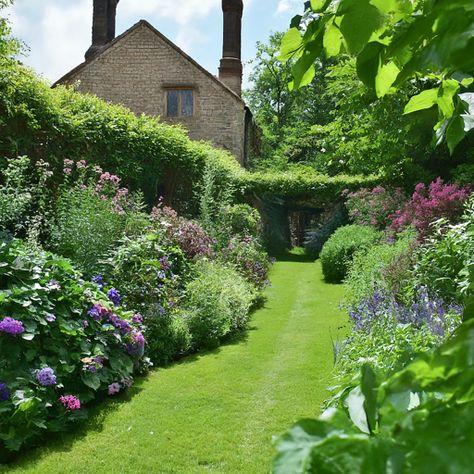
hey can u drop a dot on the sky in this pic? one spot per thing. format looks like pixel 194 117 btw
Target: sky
pixel 58 32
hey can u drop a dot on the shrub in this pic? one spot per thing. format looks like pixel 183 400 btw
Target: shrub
pixel 447 256
pixel 385 265
pixel 250 259
pixel 338 251
pixel 242 220
pixel 150 276
pixel 63 343
pixel 187 234
pixel 91 215
pixel 373 207
pixel 217 304
pixel 316 237
pixel 430 204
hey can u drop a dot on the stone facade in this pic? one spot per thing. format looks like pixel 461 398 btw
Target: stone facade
pixel 140 67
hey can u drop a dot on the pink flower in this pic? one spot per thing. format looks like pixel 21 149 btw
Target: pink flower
pixel 70 402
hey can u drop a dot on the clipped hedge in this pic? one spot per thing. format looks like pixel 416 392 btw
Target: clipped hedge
pixel 338 252
pixel 59 123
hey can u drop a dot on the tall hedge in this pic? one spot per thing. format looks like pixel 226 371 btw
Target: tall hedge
pixel 59 123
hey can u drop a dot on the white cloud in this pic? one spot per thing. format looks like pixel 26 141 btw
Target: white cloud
pixel 285 6
pixel 187 11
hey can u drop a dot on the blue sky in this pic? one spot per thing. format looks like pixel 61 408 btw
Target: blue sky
pixel 58 32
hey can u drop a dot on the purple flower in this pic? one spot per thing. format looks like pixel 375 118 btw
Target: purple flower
pixel 114 388
pixel 98 312
pixel 99 281
pixel 4 393
pixel 93 364
pixel 11 326
pixel 123 326
pixel 114 296
pixel 137 319
pixel 70 402
pixel 54 285
pixel 50 317
pixel 46 377
pixel 137 347
pixel 164 263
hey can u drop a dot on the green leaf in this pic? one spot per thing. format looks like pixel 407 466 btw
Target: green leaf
pixel 369 389
pixel 424 100
pixel 290 44
pixel 355 404
pixel 385 78
pixel 455 133
pixel 27 336
pixel 368 62
pixel 360 21
pixel 332 41
pixel 319 5
pixel 447 91
pixel 91 380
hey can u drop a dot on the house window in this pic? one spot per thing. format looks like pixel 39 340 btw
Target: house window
pixel 180 102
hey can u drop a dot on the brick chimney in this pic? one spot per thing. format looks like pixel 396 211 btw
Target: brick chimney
pixel 103 25
pixel 230 70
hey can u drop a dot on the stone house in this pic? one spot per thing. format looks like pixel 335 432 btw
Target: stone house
pixel 144 71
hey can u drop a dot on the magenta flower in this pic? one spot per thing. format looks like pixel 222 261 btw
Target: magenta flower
pixel 70 402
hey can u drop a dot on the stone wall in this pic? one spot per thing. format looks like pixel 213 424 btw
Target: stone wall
pixel 137 69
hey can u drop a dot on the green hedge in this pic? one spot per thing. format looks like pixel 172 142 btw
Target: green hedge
pixel 53 124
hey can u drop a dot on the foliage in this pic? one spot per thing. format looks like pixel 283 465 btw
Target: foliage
pixel 373 207
pixel 217 304
pixel 91 215
pixel 395 42
pixel 300 182
pixel 186 234
pixel 250 259
pixel 150 276
pixel 429 204
pixel 417 420
pixel 339 250
pixel 59 336
pixel 316 237
pixel 388 334
pixel 59 123
pixel 447 256
pixel 241 220
pixel 387 266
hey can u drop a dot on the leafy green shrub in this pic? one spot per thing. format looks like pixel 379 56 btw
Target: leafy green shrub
pixel 446 257
pixel 250 259
pixel 150 276
pixel 385 265
pixel 241 219
pixel 217 304
pixel 63 343
pixel 338 251
pixel 91 215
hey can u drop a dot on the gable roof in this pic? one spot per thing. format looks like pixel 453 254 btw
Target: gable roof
pixel 70 75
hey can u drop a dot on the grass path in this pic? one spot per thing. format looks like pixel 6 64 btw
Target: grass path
pixel 217 412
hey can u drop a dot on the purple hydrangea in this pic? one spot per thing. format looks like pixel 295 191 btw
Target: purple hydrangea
pixel 126 383
pixel 123 326
pixel 98 312
pixel 137 347
pixel 11 326
pixel 114 296
pixel 46 377
pixel 137 318
pixel 50 317
pixel 93 364
pixel 4 393
pixel 114 388
pixel 99 281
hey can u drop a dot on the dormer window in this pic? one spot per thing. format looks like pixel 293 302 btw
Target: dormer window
pixel 180 102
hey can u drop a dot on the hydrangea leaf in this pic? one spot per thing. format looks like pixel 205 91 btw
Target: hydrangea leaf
pixel 421 101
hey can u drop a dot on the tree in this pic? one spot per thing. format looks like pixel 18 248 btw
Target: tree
pixel 395 42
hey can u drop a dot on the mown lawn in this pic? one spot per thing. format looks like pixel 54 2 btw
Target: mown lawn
pixel 217 412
